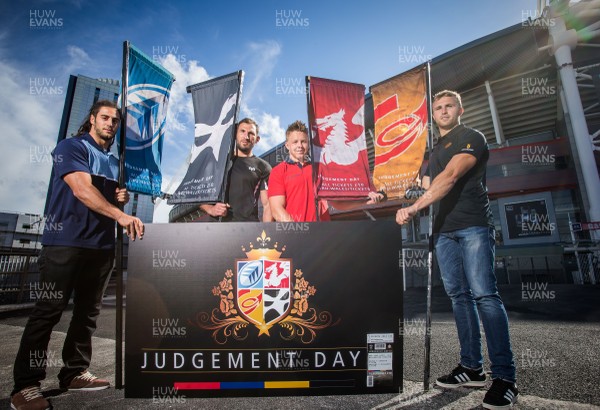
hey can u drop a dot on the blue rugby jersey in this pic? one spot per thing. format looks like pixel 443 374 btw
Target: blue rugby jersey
pixel 68 221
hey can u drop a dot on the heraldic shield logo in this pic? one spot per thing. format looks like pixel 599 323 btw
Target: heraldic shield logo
pixel 263 290
pixel 266 293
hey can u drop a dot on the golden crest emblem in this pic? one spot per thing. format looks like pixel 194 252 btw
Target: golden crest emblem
pixel 264 293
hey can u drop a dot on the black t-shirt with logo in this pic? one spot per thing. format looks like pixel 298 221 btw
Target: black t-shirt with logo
pixel 248 176
pixel 467 204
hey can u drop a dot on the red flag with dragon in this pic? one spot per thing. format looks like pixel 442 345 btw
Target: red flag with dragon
pixel 340 159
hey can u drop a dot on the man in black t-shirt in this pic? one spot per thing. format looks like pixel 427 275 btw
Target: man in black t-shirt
pixel 464 239
pixel 246 182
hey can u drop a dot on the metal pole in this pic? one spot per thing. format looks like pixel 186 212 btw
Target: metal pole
pixel 495 116
pixel 310 140
pixel 427 365
pixel 575 246
pixel 119 250
pixel 403 270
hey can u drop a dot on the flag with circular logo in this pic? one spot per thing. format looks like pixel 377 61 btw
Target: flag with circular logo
pixel 148 89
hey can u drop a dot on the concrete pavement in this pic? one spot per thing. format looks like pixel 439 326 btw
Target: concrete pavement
pixel 556 342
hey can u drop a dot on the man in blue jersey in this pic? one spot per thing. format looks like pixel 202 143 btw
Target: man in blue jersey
pixel 77 257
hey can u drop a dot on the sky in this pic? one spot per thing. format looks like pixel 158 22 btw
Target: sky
pixel 277 43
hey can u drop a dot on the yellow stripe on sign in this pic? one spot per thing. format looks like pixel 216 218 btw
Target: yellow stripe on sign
pixel 299 384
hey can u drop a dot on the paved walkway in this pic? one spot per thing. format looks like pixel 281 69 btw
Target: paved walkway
pixel 556 344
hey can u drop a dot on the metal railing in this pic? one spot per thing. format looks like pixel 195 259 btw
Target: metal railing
pixel 18 270
pixel 588 264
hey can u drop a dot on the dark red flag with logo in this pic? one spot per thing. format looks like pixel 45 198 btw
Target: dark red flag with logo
pixel 341 164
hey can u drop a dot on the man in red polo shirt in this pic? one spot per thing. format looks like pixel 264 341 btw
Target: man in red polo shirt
pixel 291 193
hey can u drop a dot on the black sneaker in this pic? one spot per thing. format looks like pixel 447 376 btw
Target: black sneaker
pixel 501 395
pixel 461 376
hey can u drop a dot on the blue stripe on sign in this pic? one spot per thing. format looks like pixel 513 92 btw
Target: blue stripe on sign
pixel 242 385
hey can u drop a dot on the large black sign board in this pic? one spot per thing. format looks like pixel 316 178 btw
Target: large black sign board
pixel 261 309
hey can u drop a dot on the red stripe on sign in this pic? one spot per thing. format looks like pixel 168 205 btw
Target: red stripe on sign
pixel 197 385
pixel 386 106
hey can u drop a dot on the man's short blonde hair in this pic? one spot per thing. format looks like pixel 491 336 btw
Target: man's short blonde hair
pixel 296 126
pixel 448 93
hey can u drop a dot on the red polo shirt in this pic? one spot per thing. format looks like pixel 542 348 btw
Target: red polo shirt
pixel 294 181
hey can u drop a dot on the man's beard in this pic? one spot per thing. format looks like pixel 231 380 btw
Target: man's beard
pixel 106 136
pixel 246 150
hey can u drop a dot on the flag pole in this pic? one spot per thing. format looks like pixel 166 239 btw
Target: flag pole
pixel 427 365
pixel 119 250
pixel 310 140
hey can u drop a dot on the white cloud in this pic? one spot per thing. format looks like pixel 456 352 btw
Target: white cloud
pixel 259 61
pixel 270 129
pixel 180 115
pixel 180 127
pixel 78 53
pixel 161 208
pixel 30 118
pixel 78 59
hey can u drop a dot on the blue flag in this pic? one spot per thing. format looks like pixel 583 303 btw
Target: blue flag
pixel 148 90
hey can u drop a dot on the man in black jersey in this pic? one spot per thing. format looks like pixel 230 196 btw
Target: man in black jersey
pixel 247 181
pixel 464 239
